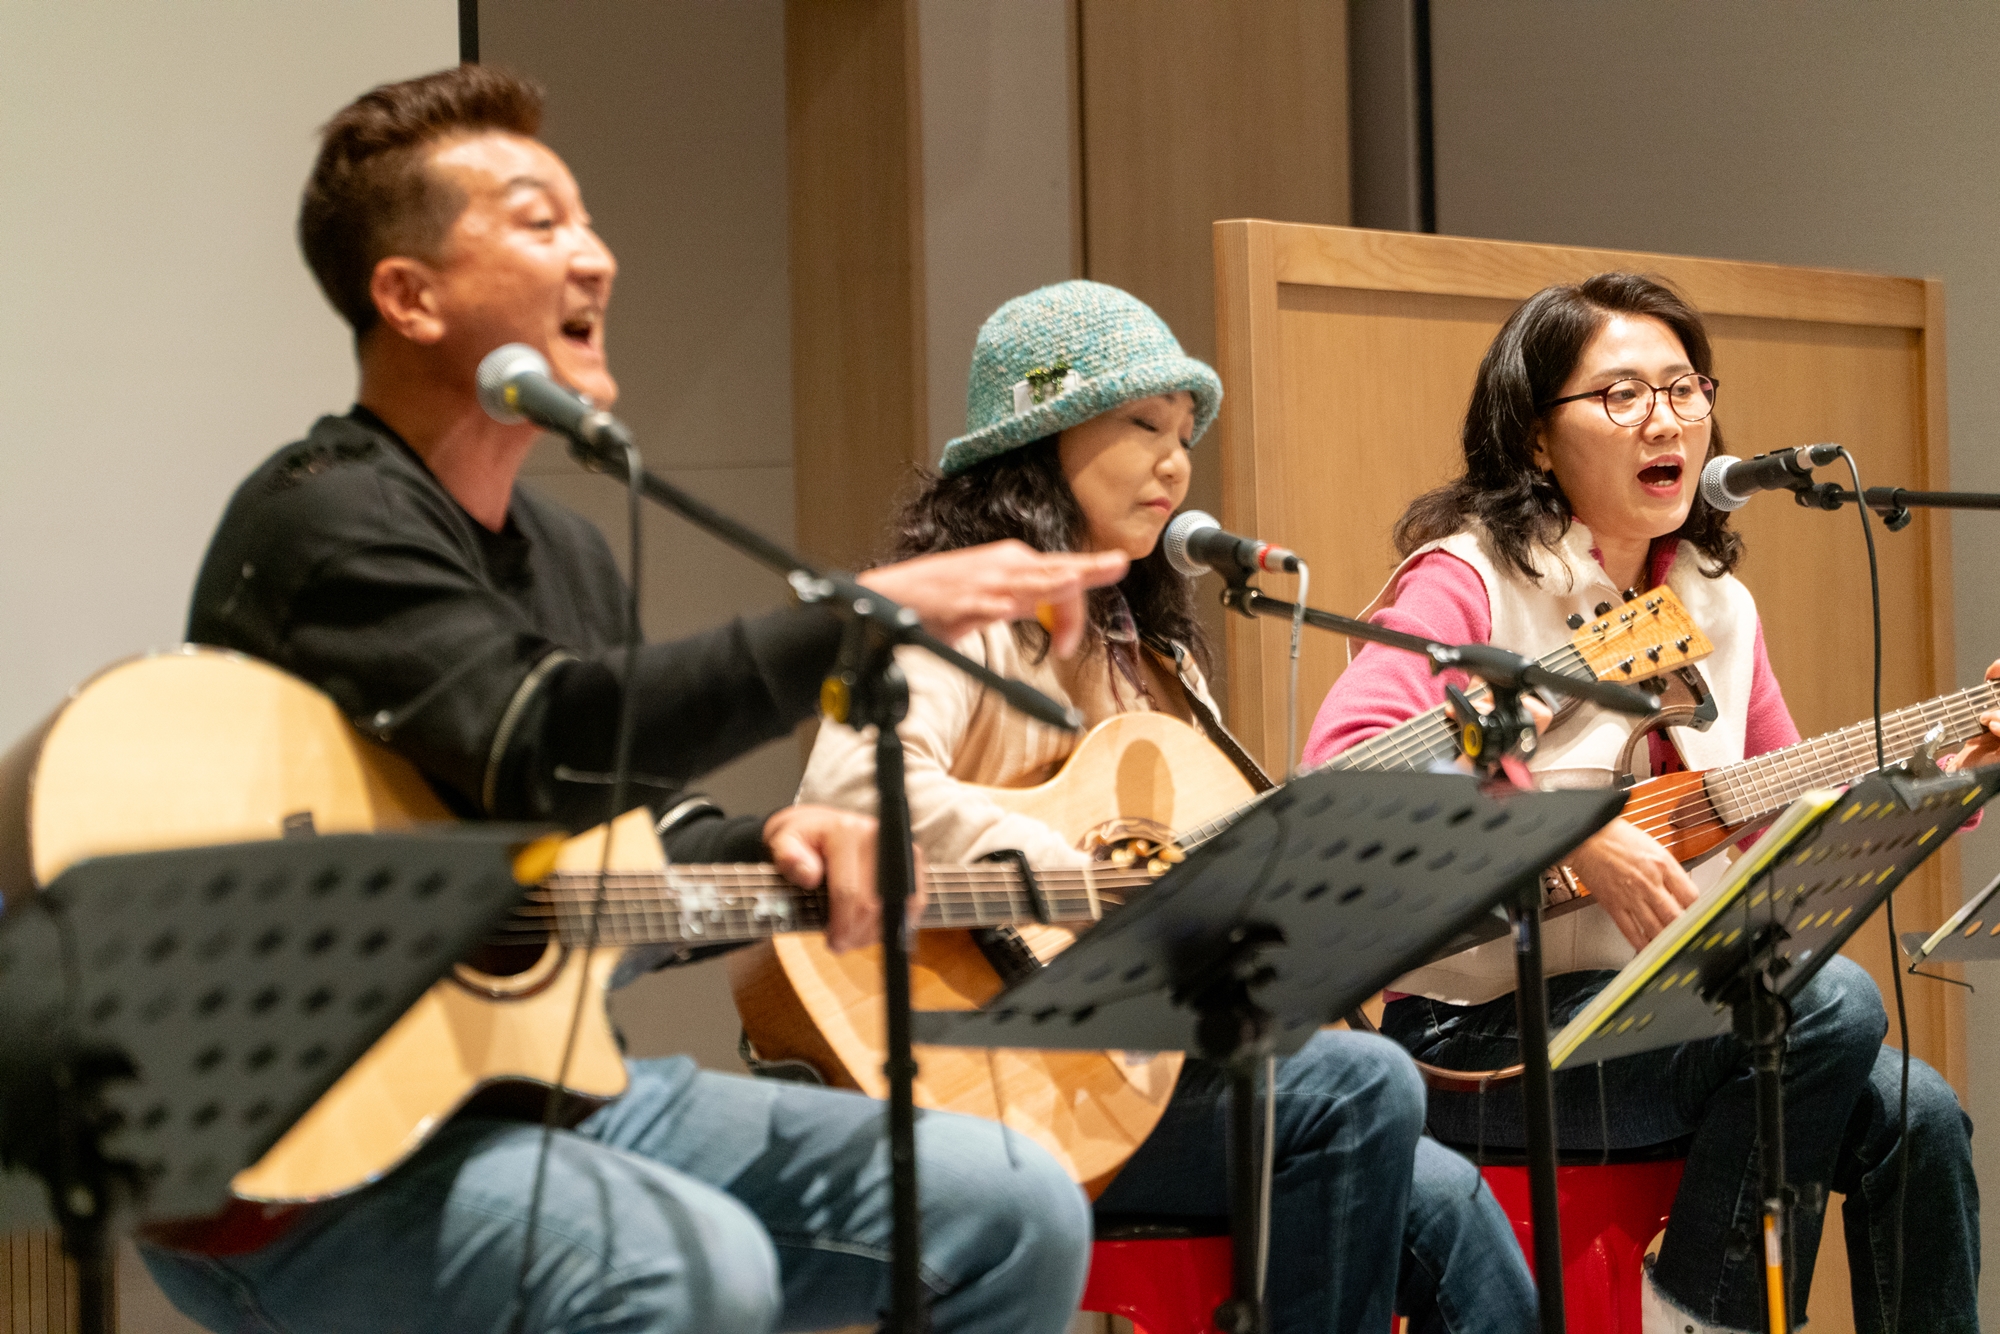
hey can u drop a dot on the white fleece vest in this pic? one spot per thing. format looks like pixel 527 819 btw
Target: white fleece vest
pixel 1531 618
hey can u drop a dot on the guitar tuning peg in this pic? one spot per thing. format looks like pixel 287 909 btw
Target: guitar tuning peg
pixel 1575 621
pixel 1602 609
pixel 1630 595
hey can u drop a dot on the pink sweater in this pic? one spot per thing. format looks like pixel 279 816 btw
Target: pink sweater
pixel 1441 597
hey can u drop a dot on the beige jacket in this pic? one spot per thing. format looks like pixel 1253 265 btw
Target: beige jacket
pixel 959 737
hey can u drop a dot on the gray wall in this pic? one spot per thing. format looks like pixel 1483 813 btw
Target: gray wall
pixel 1840 133
pixel 999 174
pixel 158 332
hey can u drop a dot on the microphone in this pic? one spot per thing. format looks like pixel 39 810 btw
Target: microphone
pixel 1728 483
pixel 1196 544
pixel 515 386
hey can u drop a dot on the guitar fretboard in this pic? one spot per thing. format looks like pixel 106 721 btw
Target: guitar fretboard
pixel 727 902
pixel 1424 741
pixel 1432 738
pixel 1756 789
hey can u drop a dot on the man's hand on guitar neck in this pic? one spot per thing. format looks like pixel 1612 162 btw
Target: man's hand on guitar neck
pixel 956 592
pixel 1638 881
pixel 815 846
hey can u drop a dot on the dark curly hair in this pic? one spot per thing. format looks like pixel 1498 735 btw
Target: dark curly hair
pixel 1530 358
pixel 1023 494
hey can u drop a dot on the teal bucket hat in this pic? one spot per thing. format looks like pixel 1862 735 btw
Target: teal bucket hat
pixel 1062 354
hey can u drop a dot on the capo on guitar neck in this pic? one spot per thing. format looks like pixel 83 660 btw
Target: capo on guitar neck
pixel 1038 901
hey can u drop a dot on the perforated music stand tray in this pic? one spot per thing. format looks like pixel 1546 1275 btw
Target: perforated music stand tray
pixel 1361 876
pixel 205 998
pixel 1794 898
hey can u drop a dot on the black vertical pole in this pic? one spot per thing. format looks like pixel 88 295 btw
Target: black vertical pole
pixel 1420 42
pixel 468 32
pixel 1767 1020
pixel 1531 1000
pixel 895 879
pixel 1244 1313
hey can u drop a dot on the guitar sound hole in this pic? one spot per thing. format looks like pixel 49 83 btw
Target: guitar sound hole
pixel 505 959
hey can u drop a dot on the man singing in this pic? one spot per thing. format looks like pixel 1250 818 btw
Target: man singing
pixel 390 559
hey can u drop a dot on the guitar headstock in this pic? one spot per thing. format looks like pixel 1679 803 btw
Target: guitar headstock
pixel 1640 638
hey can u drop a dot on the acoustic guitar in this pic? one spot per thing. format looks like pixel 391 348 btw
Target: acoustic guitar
pixel 1137 785
pixel 201 747
pixel 1697 813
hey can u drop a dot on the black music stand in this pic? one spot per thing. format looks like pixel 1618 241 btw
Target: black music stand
pixel 1321 894
pixel 1734 960
pixel 165 1017
pixel 1971 934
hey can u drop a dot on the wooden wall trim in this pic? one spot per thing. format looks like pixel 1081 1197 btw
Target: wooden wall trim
pixel 1246 338
pixel 853 131
pixel 1950 1035
pixel 1409 262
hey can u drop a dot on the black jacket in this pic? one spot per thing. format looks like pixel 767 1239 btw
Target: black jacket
pixel 489 660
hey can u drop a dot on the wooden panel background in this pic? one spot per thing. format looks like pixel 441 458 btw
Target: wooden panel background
pixel 852 131
pixel 1349 356
pixel 1193 110
pixel 37 1285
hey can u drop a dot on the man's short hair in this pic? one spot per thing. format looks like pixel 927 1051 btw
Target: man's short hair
pixel 371 193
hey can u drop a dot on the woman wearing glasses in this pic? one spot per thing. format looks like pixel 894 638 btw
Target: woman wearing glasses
pixel 1589 423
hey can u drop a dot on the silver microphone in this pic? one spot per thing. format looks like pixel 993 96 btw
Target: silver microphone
pixel 1195 544
pixel 515 386
pixel 1728 483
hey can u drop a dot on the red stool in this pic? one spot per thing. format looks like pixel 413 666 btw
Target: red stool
pixel 1610 1214
pixel 1165 1279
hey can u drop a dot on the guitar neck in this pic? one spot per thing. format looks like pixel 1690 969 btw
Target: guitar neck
pixel 727 903
pixel 1424 741
pixel 1432 738
pixel 1756 789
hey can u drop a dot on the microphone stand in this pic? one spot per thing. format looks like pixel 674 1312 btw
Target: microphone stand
pixel 1491 741
pixel 866 689
pixel 1893 503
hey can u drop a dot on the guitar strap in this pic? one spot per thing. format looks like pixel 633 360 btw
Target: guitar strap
pixel 1205 719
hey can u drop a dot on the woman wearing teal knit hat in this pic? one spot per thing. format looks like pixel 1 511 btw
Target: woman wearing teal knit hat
pixel 1081 413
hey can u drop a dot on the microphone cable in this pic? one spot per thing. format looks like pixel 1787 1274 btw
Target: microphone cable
pixel 1889 917
pixel 557 1100
pixel 1292 676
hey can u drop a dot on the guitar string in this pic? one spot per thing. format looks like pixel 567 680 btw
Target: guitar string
pixel 1430 738
pixel 1845 748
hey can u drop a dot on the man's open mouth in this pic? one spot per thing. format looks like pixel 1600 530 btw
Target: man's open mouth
pixel 580 328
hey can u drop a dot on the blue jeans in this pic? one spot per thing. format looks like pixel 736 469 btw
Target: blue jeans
pixel 1841 1087
pixel 1365 1212
pixel 696 1202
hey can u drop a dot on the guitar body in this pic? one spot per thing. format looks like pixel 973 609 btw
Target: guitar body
pixel 1681 815
pixel 1139 775
pixel 199 747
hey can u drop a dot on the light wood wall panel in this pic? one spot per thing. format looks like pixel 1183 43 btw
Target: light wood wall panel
pixel 852 127
pixel 37 1285
pixel 1194 110
pixel 1350 355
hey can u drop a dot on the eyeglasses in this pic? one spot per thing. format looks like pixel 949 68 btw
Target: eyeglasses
pixel 1629 402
